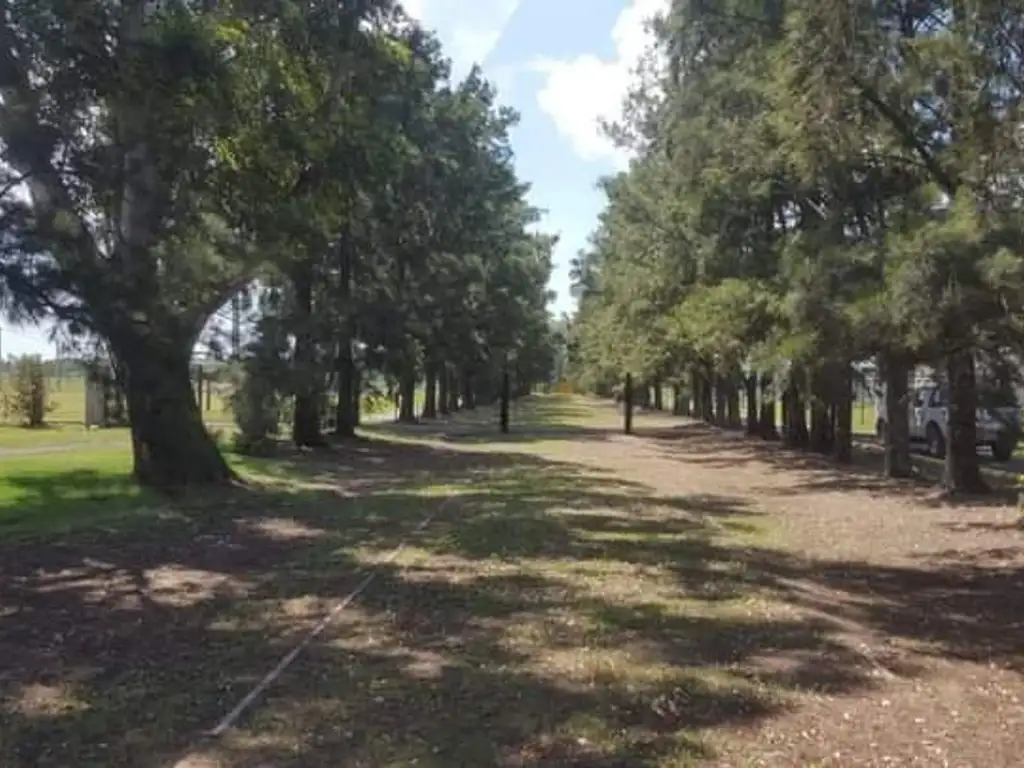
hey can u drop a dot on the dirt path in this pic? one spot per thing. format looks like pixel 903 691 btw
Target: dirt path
pixel 680 597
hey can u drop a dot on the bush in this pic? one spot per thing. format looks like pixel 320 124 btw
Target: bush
pixel 258 402
pixel 25 399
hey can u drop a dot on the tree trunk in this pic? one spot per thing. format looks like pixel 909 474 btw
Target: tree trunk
pixel 468 393
pixel 678 406
pixel 733 403
pixel 659 403
pixel 627 405
pixel 751 387
pixel 344 418
pixel 721 400
pixel 707 396
pixel 407 397
pixel 506 396
pixel 443 379
pixel 819 413
pixel 963 470
pixel 170 444
pixel 843 411
pixel 357 396
pixel 767 428
pixel 306 419
pixel 430 393
pixel 453 391
pixel 896 436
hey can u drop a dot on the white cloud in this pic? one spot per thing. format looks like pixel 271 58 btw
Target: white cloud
pixel 469 30
pixel 581 92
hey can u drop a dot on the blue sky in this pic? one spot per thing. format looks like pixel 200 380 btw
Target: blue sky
pixel 563 64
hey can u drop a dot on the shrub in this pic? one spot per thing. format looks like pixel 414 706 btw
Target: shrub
pixel 25 399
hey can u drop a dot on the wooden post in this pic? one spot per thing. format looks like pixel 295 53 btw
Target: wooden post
pixel 627 405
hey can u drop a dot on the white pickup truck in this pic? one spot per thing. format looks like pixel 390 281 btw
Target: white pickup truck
pixel 998 421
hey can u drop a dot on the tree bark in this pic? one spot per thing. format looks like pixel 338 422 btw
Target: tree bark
pixel 453 391
pixel 627 405
pixel 344 418
pixel 733 403
pixel 306 419
pixel 407 397
pixel 659 403
pixel 820 442
pixel 767 427
pixel 357 396
pixel 896 437
pixel 430 393
pixel 707 395
pixel 751 387
pixel 678 406
pixel 443 379
pixel 721 402
pixel 170 444
pixel 963 470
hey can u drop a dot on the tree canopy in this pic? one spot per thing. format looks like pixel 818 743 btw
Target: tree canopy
pixel 815 184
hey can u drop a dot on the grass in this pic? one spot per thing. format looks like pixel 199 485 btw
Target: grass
pixel 573 601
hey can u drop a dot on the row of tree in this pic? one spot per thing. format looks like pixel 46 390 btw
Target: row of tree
pixel 158 157
pixel 815 184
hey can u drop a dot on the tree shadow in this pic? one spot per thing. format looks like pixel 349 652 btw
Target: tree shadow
pixel 716 448
pixel 493 641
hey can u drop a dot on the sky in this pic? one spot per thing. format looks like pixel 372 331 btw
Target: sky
pixel 563 65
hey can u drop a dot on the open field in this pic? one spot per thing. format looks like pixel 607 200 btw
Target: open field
pixel 565 596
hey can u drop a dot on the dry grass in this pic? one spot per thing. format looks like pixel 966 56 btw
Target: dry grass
pixel 679 597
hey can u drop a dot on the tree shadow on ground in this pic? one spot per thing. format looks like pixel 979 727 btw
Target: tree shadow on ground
pixel 532 419
pixel 717 448
pixel 126 642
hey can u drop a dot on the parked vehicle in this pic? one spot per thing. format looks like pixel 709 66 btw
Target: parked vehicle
pixel 998 419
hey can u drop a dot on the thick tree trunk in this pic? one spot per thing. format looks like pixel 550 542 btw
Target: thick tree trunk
pixel 707 396
pixel 170 444
pixel 963 470
pixel 357 396
pixel 721 400
pixel 430 393
pixel 843 411
pixel 344 421
pixel 407 398
pixel 443 380
pixel 751 388
pixel 767 427
pixel 659 403
pixel 798 418
pixel 696 394
pixel 896 435
pixel 678 406
pixel 306 419
pixel 733 404
pixel 820 419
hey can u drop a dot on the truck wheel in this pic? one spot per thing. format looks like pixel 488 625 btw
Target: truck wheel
pixel 1002 449
pixel 936 442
